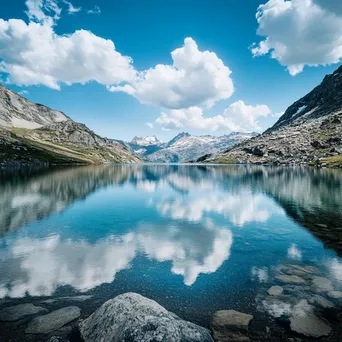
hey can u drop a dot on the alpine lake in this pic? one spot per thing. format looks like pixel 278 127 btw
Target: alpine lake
pixel 194 238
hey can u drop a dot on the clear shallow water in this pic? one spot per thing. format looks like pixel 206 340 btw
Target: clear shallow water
pixel 194 238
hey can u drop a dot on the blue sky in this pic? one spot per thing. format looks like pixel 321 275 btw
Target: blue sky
pixel 144 34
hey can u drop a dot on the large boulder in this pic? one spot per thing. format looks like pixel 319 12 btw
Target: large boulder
pixel 230 326
pixel 134 318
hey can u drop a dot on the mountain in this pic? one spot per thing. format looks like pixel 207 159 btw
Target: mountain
pixel 309 132
pixel 35 134
pixel 183 147
pixel 147 141
pixel 16 111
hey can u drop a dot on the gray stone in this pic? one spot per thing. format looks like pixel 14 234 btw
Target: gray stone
pixel 301 271
pixel 275 290
pixel 230 325
pixel 57 339
pixel 335 294
pixel 291 279
pixel 320 284
pixel 67 299
pixel 53 321
pixel 16 312
pixel 132 317
pixel 310 325
pixel 321 301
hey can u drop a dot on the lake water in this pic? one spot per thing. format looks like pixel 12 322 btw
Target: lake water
pixel 194 238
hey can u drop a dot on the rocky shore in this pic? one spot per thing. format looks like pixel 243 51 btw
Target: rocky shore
pixel 296 303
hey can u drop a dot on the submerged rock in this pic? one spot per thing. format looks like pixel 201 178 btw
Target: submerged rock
pixel 53 321
pixel 275 290
pixel 310 325
pixel 335 294
pixel 82 298
pixel 230 325
pixel 321 301
pixel 301 271
pixel 132 317
pixel 291 279
pixel 16 312
pixel 305 322
pixel 320 284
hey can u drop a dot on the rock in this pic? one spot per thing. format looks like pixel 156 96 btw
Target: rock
pixel 310 325
pixel 16 312
pixel 132 317
pixel 57 339
pixel 321 225
pixel 320 284
pixel 335 294
pixel 321 301
pixel 230 325
pixel 291 279
pixel 67 299
pixel 275 290
pixel 53 321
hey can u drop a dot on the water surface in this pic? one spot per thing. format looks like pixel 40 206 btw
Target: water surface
pixel 194 238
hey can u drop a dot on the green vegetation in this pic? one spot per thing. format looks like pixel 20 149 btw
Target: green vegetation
pixel 332 161
pixel 225 160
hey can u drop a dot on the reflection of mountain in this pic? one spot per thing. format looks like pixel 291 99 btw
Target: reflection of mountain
pixel 191 249
pixel 35 195
pixel 310 196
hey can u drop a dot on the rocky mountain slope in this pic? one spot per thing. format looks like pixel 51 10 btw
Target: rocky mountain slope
pixel 34 134
pixel 309 132
pixel 184 147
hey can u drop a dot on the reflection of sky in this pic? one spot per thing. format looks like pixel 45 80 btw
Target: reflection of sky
pixel 186 221
pixel 38 266
pixel 238 208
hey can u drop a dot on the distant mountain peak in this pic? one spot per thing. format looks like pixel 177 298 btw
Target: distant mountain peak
pixel 146 141
pixel 178 137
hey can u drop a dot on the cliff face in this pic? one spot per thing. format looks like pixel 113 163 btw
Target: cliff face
pixel 34 134
pixel 325 99
pixel 309 132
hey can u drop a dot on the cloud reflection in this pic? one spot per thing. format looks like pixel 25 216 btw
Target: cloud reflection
pixel 39 266
pixel 238 208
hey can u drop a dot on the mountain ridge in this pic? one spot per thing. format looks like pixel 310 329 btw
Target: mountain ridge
pixel 184 147
pixel 309 132
pixel 36 134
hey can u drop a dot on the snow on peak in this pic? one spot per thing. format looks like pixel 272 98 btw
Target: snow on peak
pixel 149 140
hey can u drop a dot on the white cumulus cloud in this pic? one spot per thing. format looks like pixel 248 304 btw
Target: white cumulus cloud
pixel 33 54
pixel 195 78
pixel 300 32
pixel 149 124
pixel 237 117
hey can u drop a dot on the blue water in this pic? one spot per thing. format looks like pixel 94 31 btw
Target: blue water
pixel 194 238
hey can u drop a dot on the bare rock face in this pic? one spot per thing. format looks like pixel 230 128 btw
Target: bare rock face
pixel 132 317
pixel 230 325
pixel 53 321
pixel 308 132
pixel 16 312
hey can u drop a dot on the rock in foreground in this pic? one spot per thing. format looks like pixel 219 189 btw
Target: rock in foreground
pixel 230 325
pixel 132 317
pixel 53 321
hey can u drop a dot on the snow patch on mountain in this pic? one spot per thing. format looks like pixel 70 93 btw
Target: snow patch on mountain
pixel 184 147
